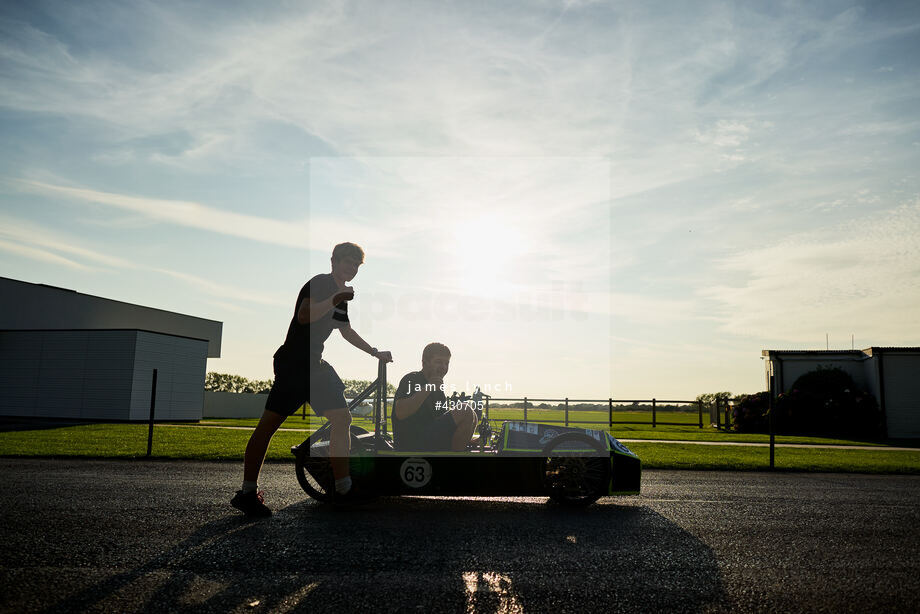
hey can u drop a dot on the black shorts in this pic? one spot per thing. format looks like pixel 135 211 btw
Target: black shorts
pixel 296 383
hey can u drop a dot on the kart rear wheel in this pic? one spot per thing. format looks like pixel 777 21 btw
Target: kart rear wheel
pixel 314 472
pixel 576 470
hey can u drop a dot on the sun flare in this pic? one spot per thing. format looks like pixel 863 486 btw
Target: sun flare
pixel 485 249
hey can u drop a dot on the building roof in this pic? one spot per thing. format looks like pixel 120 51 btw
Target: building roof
pixel 28 306
pixel 768 352
pixel 878 349
pixel 867 351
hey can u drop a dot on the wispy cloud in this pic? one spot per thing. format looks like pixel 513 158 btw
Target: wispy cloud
pixel 188 214
pixel 37 236
pixel 313 231
pixel 213 288
pixel 41 255
pixel 465 84
pixel 41 243
pixel 860 276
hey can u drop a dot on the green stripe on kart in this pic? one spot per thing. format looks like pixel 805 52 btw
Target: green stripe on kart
pixel 540 450
pixel 428 453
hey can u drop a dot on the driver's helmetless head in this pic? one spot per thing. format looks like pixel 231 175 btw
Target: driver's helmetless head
pixel 436 358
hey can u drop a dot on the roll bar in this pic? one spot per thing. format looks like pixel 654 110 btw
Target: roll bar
pixel 378 388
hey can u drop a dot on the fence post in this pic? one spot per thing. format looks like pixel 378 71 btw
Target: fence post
pixel 700 403
pixel 654 416
pixel 525 409
pixel 728 412
pixel 610 411
pixel 153 404
pixel 718 414
pixel 381 396
pixel 772 437
pixel 567 411
pixel 772 412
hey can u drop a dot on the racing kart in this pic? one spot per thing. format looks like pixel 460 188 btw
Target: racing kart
pixel 571 466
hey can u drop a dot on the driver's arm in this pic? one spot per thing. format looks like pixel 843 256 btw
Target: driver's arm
pixel 406 406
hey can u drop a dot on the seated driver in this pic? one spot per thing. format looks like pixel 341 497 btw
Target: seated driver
pixel 422 418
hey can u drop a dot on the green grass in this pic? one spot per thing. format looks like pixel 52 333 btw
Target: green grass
pixel 683 433
pixel 743 458
pixel 178 442
pixel 689 431
pixel 130 441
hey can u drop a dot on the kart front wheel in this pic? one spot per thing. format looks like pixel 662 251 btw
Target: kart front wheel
pixel 576 469
pixel 314 471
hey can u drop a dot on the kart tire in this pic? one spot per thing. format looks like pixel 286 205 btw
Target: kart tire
pixel 575 477
pixel 314 473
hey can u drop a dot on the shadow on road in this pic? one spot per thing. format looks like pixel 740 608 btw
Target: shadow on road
pixel 425 554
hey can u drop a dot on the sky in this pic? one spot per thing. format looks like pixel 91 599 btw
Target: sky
pixel 581 199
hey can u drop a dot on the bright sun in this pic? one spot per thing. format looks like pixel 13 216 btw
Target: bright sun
pixel 484 251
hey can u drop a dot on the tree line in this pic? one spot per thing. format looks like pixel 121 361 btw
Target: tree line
pixel 227 382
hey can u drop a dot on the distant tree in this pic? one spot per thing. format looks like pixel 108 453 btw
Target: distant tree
pixel 750 412
pixel 354 387
pixel 709 399
pixel 261 386
pixel 227 382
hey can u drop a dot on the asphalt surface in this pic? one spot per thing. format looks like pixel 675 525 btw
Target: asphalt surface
pixel 122 536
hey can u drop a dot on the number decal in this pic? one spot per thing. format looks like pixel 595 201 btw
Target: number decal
pixel 415 472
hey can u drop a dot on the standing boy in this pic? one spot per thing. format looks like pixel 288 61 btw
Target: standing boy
pixel 302 376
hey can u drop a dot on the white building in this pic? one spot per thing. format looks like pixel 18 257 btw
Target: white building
pixel 891 374
pixel 69 355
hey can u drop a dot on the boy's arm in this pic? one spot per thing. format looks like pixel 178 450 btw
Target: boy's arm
pixel 407 406
pixel 351 336
pixel 310 311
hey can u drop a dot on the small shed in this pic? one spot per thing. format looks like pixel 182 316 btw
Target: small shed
pixel 891 374
pixel 64 354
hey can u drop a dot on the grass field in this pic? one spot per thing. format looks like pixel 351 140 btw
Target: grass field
pixel 624 426
pixel 130 441
pixel 187 442
pixel 745 458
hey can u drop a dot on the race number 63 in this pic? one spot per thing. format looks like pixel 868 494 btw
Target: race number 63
pixel 415 472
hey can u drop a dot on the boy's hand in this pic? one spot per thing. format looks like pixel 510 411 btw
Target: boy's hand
pixel 345 294
pixel 437 380
pixel 385 356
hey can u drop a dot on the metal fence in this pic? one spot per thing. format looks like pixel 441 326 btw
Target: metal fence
pixel 720 414
pixel 612 405
pixel 609 402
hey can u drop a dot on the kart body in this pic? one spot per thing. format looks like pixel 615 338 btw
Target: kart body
pixel 572 466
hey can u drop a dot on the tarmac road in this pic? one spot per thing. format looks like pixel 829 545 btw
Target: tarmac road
pixel 118 536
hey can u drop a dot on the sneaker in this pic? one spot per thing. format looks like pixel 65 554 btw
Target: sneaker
pixel 251 503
